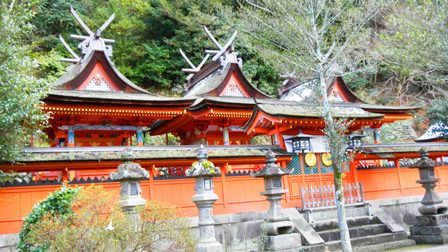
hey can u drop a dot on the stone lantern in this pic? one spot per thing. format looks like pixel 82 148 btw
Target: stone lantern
pixel 432 226
pixel 129 174
pixel 203 172
pixel 278 227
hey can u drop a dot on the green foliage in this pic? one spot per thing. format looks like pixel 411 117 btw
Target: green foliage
pixel 438 112
pixel 397 132
pixel 149 35
pixel 92 223
pixel 57 204
pixel 160 140
pixel 261 140
pixel 202 167
pixel 414 50
pixel 20 92
pixel 400 131
pixel 356 81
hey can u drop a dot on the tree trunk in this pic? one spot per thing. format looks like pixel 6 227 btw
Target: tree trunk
pixel 337 149
pixel 340 208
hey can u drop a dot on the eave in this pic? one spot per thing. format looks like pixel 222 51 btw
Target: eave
pixel 265 122
pixel 89 158
pixel 113 99
pixel 401 150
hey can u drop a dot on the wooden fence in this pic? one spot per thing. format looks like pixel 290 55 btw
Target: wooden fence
pixel 325 196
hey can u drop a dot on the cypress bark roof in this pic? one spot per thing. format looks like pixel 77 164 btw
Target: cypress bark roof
pixel 342 96
pixel 213 78
pixel 77 73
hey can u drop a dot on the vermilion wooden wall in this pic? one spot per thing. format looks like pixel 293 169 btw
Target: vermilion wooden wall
pixel 236 193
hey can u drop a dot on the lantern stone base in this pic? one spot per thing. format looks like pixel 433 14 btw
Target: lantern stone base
pixel 132 202
pixel 430 229
pixel 209 247
pixel 286 242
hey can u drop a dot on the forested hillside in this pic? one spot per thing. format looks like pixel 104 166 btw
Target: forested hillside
pixel 400 57
pixel 403 53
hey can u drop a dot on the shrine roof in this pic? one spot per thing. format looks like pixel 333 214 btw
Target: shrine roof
pixel 435 132
pixel 76 73
pixel 74 95
pixel 230 103
pixel 384 108
pixel 308 110
pixel 402 150
pixel 237 100
pixel 213 78
pixel 143 153
pixel 343 96
pixel 224 99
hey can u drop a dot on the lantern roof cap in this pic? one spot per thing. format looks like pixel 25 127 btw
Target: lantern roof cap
pixel 129 170
pixel 271 169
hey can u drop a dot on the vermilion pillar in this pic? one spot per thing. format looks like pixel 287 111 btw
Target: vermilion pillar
pixel 376 136
pixel 225 136
pixel 71 137
pixel 139 136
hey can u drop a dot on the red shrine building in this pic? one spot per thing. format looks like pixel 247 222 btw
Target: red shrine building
pixel 95 110
pixel 93 104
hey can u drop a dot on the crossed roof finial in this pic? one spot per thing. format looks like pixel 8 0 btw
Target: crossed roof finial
pixel 225 53
pixel 91 42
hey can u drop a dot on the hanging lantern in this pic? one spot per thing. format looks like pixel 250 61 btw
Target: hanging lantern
pixel 355 142
pixel 301 143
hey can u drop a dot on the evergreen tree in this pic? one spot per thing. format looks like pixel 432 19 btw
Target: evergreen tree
pixel 21 93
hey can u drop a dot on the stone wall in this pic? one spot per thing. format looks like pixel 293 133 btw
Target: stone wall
pixel 8 242
pixel 236 232
pixel 404 210
pixel 241 232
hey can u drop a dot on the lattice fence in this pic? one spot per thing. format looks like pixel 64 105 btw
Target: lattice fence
pixel 294 165
pixel 324 196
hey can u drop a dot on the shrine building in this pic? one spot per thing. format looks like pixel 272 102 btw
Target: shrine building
pixel 96 112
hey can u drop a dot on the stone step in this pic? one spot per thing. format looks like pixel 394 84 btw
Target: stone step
pixel 351 222
pixel 368 240
pixel 355 232
pixel 324 214
pixel 392 245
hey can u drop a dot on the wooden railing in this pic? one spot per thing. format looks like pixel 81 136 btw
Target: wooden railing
pixel 325 196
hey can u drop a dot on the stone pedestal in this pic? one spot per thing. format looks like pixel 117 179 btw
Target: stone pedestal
pixel 430 229
pixel 205 199
pixel 432 226
pixel 203 172
pixel 286 242
pixel 278 227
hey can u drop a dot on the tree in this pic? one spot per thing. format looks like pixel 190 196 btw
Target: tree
pixel 218 16
pixel 148 36
pixel 413 49
pixel 21 93
pixel 316 38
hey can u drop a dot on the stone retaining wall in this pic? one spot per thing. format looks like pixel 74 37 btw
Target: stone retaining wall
pixel 404 210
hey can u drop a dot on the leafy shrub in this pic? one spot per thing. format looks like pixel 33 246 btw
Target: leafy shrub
pixel 93 224
pixel 57 204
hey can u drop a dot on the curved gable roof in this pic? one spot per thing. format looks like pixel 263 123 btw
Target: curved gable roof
pixel 77 74
pixel 213 79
